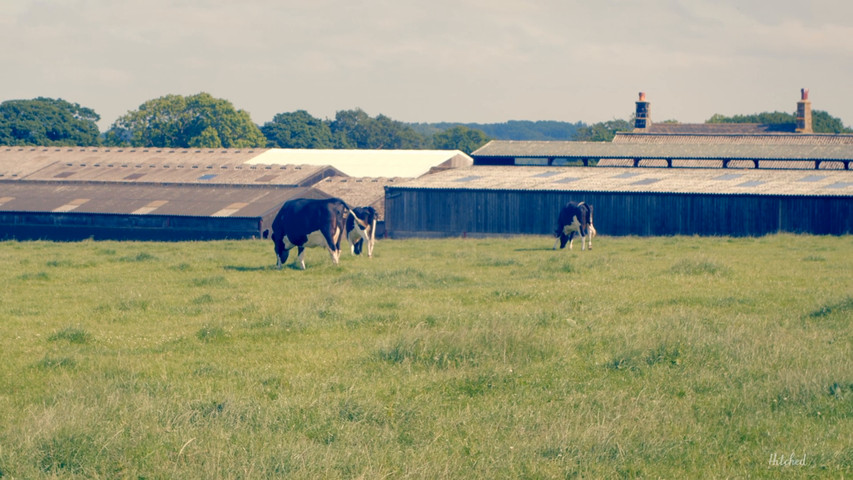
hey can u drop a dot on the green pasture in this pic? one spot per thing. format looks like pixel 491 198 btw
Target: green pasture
pixel 668 357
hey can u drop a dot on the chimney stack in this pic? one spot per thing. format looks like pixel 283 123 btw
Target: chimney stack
pixel 642 119
pixel 804 112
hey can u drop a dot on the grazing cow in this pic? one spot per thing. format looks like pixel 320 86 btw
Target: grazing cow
pixel 575 218
pixel 304 222
pixel 361 227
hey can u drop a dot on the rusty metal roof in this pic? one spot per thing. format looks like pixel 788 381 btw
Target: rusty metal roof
pixel 656 180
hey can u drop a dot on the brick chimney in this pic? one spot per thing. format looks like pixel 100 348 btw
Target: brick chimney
pixel 642 118
pixel 804 112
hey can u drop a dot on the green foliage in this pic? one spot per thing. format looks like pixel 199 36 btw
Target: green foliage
pixel 603 131
pixel 459 138
pixel 767 118
pixel 47 121
pixel 511 130
pixel 297 130
pixel 196 121
pixel 822 122
pixel 357 129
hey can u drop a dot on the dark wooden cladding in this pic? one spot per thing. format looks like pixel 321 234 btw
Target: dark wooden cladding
pixel 451 212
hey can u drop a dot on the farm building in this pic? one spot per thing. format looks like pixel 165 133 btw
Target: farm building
pixel 71 193
pixel 712 179
pixel 507 200
pixel 788 140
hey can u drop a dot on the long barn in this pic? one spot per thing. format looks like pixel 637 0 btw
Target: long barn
pixel 509 200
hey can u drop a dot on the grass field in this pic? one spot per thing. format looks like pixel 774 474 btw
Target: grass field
pixel 677 357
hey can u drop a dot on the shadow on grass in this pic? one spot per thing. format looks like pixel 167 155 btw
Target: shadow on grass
pixel 244 268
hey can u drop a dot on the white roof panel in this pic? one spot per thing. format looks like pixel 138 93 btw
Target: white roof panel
pixel 364 163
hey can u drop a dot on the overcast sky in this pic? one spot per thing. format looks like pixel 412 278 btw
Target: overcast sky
pixel 435 60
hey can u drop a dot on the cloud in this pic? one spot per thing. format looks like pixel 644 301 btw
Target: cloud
pixel 453 60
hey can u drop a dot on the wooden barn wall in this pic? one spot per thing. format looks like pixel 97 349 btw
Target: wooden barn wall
pixel 438 213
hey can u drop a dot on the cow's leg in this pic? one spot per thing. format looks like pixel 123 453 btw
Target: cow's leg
pixel 372 239
pixel 301 256
pixel 358 236
pixel 333 242
pixel 562 240
pixel 281 252
pixel 592 233
pixel 336 256
pixel 339 233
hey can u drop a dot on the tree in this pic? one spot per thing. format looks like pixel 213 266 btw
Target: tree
pixel 349 128
pixel 603 131
pixel 459 138
pixel 822 122
pixel 197 121
pixel 47 121
pixel 391 134
pixel 356 129
pixel 297 130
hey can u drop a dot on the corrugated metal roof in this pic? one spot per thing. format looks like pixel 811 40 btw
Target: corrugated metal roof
pixel 183 200
pixel 717 128
pixel 183 173
pixel 735 139
pixel 218 166
pixel 359 192
pixel 552 149
pixel 657 180
pixel 179 166
pixel 26 160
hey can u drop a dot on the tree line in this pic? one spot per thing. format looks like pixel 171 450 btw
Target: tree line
pixel 202 121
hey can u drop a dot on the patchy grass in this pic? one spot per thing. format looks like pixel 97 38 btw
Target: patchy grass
pixel 676 357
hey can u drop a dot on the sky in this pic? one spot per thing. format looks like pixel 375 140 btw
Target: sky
pixel 468 61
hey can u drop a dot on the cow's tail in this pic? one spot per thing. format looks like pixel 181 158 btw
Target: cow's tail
pixel 358 224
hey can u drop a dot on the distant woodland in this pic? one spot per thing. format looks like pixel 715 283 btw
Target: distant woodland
pixel 202 121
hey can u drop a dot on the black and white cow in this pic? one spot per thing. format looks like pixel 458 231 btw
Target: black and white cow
pixel 575 218
pixel 304 222
pixel 366 217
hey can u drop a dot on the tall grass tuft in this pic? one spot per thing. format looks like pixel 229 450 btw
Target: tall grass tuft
pixel 71 335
